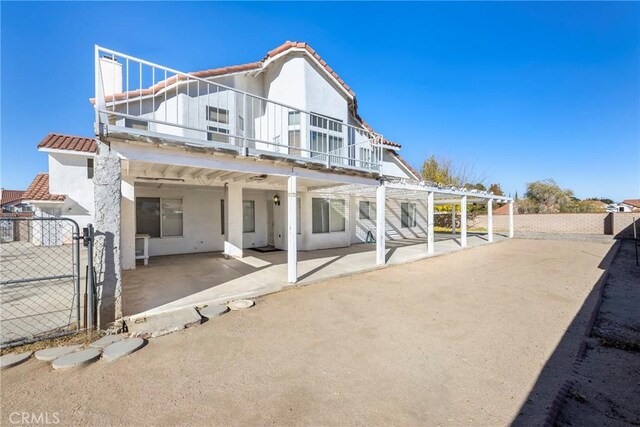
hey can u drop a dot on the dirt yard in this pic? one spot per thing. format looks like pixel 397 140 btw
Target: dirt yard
pixel 459 339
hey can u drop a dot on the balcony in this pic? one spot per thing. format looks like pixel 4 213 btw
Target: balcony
pixel 136 98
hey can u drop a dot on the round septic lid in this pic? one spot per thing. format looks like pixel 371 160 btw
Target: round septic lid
pixel 240 304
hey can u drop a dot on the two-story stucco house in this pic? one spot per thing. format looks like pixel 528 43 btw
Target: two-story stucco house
pixel 269 154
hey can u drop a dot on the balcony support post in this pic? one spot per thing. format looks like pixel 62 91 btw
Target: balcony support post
pixel 380 225
pixel 292 232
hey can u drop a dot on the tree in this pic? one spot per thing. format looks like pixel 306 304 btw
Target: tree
pixel 545 196
pixel 442 171
pixel 438 172
pixel 496 189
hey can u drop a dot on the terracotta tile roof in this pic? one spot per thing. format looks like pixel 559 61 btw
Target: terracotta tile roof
pixel 11 196
pixel 215 72
pixel 68 142
pixel 16 214
pixel 503 210
pixel 39 190
pixel 632 202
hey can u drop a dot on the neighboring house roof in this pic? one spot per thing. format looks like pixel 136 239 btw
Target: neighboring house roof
pixel 11 196
pixel 252 66
pixel 69 142
pixel 16 214
pixel 39 190
pixel 632 202
pixel 503 210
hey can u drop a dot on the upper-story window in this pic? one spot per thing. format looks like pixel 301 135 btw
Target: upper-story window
pixel 294 133
pixel 368 157
pixel 326 138
pixel 218 127
pixel 90 168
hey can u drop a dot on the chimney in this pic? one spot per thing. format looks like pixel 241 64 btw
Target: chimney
pixel 111 71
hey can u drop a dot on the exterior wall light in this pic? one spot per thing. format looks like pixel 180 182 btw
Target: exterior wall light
pixel 276 200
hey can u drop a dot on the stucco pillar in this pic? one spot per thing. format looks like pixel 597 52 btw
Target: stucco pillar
pixel 490 220
pixel 511 219
pixel 430 224
pixel 107 194
pixel 233 219
pixel 380 225
pixel 292 231
pixel 128 221
pixel 463 222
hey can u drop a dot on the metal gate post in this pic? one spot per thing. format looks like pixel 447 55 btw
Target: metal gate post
pixel 89 239
pixel 76 239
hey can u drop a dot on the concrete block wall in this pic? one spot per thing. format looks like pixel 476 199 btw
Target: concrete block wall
pixel 617 224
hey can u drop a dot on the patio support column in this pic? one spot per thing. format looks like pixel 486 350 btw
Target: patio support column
pixel 107 244
pixel 490 220
pixel 511 219
pixel 380 224
pixel 233 219
pixel 463 222
pixel 453 218
pixel 128 221
pixel 430 224
pixel 292 232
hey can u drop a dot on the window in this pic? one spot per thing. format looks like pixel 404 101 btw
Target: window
pixel 328 215
pixel 369 157
pixel 248 216
pixel 171 217
pixel 221 216
pixel 327 138
pixel 219 131
pixel 148 216
pixel 89 168
pixel 159 217
pixel 408 215
pixel 136 124
pixel 294 133
pixel 365 209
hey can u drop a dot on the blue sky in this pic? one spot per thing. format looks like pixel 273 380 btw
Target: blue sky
pixel 520 91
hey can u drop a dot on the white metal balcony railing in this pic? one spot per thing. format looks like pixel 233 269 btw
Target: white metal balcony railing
pixel 139 97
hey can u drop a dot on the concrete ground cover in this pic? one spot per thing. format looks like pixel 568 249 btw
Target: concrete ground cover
pixel 454 340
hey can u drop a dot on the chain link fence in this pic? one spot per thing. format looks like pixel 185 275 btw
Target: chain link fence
pixel 40 279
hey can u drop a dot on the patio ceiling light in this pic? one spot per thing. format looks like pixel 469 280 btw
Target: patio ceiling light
pixel 276 200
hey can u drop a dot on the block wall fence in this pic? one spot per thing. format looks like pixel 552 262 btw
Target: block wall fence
pixel 618 224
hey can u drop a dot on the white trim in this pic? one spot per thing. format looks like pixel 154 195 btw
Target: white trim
pixel 62 151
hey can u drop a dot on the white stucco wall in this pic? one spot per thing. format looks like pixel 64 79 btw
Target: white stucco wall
pixel 68 175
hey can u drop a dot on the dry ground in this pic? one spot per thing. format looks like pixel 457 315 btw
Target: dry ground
pixel 454 340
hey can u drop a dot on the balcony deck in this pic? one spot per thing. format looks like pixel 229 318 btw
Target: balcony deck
pixel 138 100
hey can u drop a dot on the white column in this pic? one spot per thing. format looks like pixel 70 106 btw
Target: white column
pixel 490 220
pixel 453 218
pixel 511 219
pixel 430 224
pixel 292 232
pixel 380 224
pixel 233 218
pixel 463 222
pixel 128 224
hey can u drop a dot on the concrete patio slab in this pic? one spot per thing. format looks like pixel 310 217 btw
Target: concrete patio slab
pixel 178 281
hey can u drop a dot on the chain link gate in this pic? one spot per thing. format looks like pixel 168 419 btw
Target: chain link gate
pixel 40 279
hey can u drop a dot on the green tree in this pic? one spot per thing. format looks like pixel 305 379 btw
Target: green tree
pixel 439 172
pixel 545 196
pixel 496 189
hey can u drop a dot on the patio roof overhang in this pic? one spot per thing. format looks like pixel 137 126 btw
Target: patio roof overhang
pixel 413 189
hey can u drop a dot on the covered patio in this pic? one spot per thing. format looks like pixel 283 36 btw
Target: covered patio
pixel 175 281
